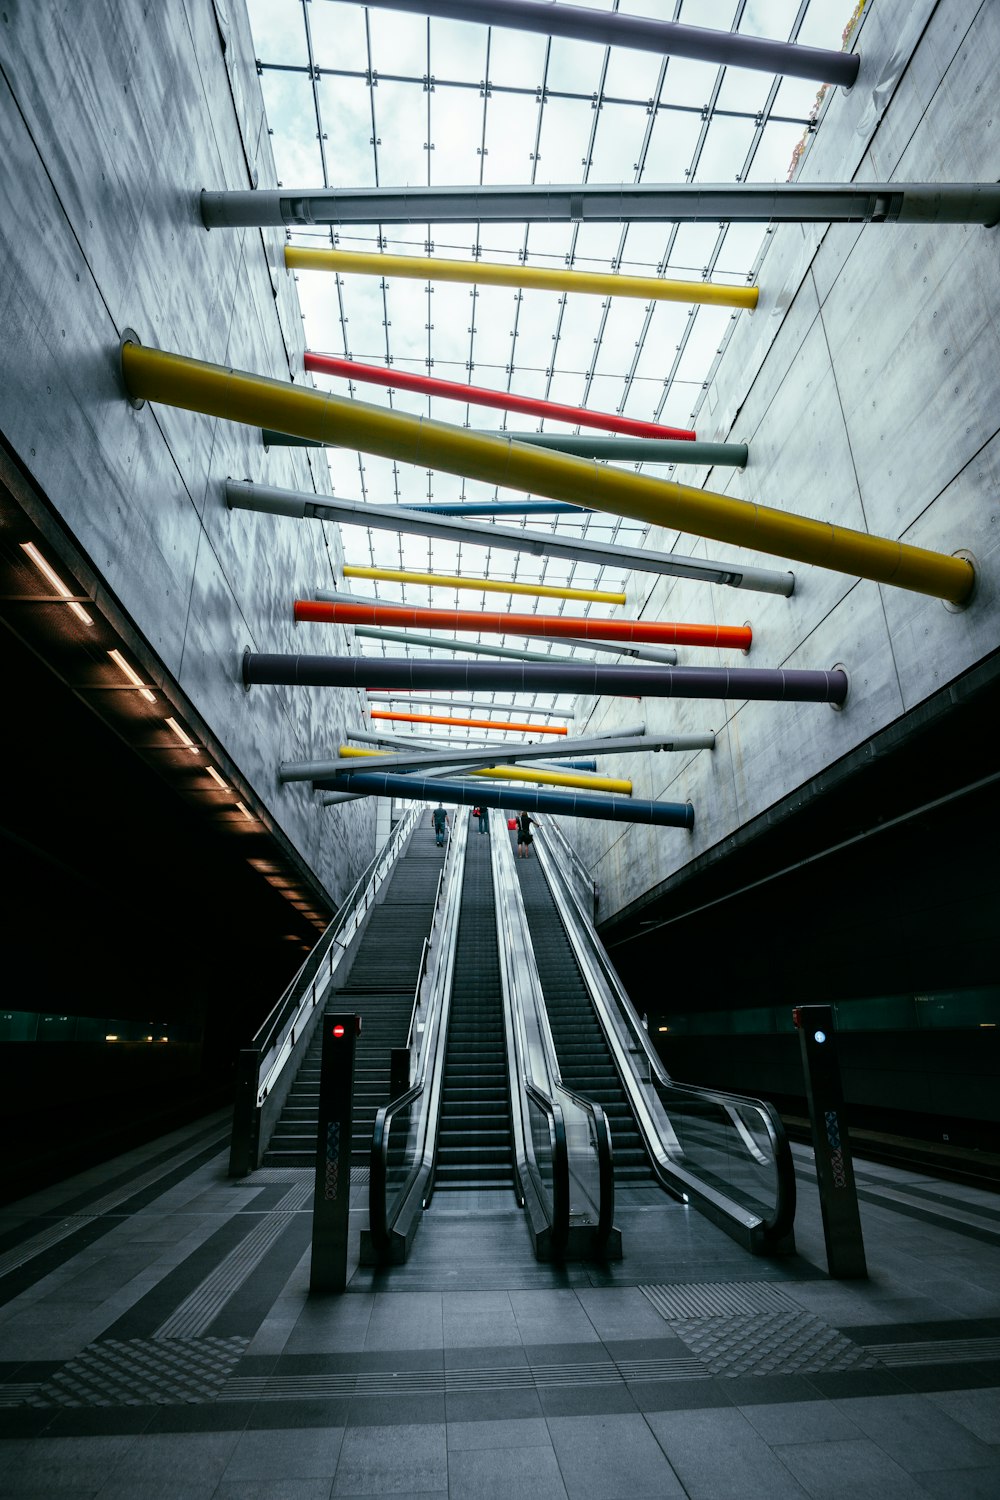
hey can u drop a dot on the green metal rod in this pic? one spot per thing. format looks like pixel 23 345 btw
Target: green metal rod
pixel 620 449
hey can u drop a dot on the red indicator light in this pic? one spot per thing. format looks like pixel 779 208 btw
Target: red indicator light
pixel 338 1031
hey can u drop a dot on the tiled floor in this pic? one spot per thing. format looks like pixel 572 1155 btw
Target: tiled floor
pixel 157 1339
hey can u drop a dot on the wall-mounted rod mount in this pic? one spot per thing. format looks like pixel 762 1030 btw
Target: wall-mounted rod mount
pixel 301 505
pixel 755 684
pixel 475 395
pixel 616 203
pixel 494 794
pixel 667 633
pixel 483 273
pixel 257 401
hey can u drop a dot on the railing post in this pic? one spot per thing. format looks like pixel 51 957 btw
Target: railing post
pixel 246 1115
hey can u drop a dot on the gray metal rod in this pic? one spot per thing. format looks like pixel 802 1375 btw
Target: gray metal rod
pixel 432 741
pixel 640 34
pixel 243 495
pixel 665 655
pixel 615 449
pixel 501 708
pixel 582 203
pixel 310 770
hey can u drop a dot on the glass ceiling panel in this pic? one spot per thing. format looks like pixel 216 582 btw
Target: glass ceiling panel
pixel 508 107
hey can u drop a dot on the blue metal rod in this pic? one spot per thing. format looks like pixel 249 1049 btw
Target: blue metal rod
pixel 515 799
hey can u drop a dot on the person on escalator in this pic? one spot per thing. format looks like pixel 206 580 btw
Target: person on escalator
pixel 440 820
pixel 524 826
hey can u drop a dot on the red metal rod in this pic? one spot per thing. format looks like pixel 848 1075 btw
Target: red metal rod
pixel 454 390
pixel 663 633
pixel 466 723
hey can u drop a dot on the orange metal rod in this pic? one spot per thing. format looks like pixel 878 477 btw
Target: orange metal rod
pixel 664 632
pixel 378 713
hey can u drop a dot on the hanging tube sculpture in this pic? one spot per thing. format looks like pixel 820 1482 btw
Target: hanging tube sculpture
pixel 393 718
pixel 665 633
pixel 644 34
pixel 613 203
pixel 753 684
pixel 301 504
pixel 482 273
pixel 474 395
pixel 624 450
pixel 666 655
pixel 504 708
pixel 483 585
pixel 481 794
pixel 522 773
pixel 154 375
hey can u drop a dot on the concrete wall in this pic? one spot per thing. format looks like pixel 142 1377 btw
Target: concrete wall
pixel 113 115
pixel 867 385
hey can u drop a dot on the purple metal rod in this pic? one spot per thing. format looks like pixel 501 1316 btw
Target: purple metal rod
pixel 759 684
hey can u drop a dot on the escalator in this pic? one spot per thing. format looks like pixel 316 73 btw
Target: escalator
pixel 726 1154
pixel 485 1109
pixel 585 1061
pixel 474 1145
pixel 380 989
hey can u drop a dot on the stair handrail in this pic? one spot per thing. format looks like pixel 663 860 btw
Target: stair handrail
pixel 632 1051
pixel 391 1226
pixel 535 1071
pixel 581 870
pixel 276 1037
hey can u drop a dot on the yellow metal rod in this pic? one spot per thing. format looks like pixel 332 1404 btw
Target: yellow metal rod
pixel 600 284
pixel 484 585
pixel 521 773
pixel 257 401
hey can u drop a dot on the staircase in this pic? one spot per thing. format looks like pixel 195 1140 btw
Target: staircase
pixel 475 1147
pixel 380 989
pixel 584 1060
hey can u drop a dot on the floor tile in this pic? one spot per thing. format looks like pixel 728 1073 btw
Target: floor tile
pixel 979 1411
pixel 917 1433
pixel 267 1454
pixel 962 1484
pixel 719 1454
pixel 499 1473
pixel 607 1457
pixel 388 1460
pixel 856 1467
pixel 514 1432
pixel 801 1422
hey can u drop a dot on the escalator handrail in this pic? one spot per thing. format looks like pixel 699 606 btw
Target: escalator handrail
pixel 516 939
pixel 580 932
pixel 271 1041
pixel 381 1218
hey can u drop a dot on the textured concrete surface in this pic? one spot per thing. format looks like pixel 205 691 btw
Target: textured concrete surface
pixel 866 385
pixel 113 116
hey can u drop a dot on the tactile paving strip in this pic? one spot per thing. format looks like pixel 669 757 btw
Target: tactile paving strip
pixel 783 1343
pixel 717 1299
pixel 143 1372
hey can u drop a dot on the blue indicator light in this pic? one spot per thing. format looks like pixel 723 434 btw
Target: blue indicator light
pixel 819 1036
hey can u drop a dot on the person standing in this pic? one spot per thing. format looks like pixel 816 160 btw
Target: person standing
pixel 440 820
pixel 483 814
pixel 524 827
